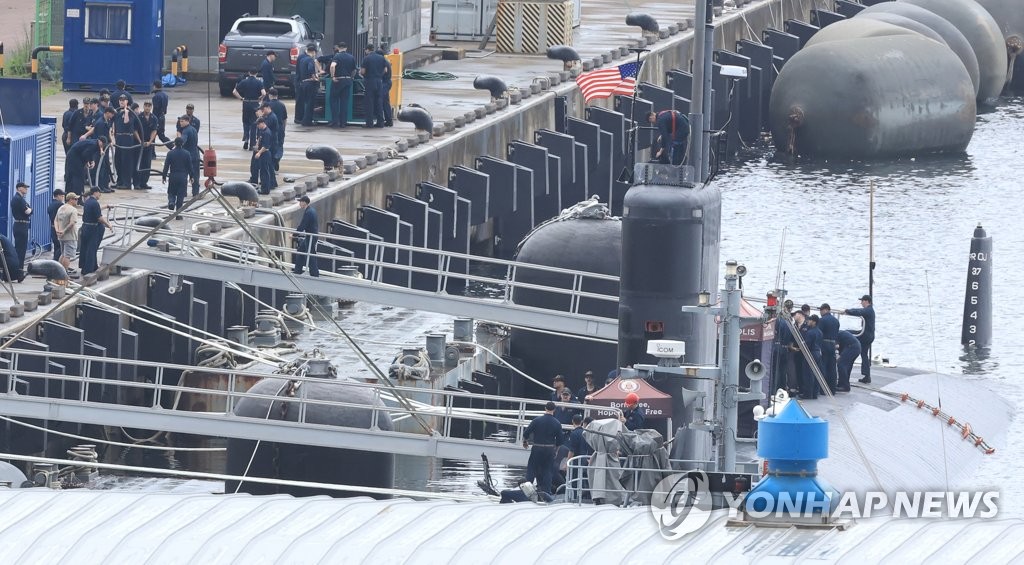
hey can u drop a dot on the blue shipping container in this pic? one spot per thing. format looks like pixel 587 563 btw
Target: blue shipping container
pixel 26 154
pixel 110 40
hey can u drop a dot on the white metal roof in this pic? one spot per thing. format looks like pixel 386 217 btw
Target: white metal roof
pixel 44 526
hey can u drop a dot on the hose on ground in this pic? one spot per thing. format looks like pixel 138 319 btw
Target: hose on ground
pixel 413 74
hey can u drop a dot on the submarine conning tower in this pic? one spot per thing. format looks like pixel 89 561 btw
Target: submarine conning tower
pixel 670 241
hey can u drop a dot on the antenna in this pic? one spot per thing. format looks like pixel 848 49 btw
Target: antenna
pixel 626 175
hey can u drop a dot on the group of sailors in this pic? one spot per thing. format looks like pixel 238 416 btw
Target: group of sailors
pixel 110 143
pixel 339 71
pixel 832 350
pixel 553 445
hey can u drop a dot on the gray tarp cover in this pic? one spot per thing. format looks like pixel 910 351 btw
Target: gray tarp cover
pixel 611 484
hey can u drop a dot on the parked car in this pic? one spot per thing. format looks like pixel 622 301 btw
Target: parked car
pixel 246 45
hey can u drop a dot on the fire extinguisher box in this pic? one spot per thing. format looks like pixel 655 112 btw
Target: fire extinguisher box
pixel 110 40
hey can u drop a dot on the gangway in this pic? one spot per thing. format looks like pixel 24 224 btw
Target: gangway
pixel 29 394
pixel 245 261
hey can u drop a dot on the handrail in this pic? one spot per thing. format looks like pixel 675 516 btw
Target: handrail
pixel 329 237
pixel 521 414
pixel 35 57
pixel 244 251
pixel 579 464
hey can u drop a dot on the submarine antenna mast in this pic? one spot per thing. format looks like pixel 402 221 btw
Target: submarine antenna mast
pixel 871 238
pixel 700 116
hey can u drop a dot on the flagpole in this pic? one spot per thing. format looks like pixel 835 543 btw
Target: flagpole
pixel 627 173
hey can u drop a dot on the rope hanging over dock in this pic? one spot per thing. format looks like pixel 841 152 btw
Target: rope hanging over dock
pixel 966 432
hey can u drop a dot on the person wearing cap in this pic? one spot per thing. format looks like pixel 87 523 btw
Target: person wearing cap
pixel 633 415
pixel 829 326
pixel 372 71
pixel 343 71
pixel 149 125
pixel 65 226
pixel 160 104
pixel 65 124
pixel 21 213
pixel 281 113
pixel 558 383
pixel 849 351
pixel 51 213
pixel 866 337
pixel 812 339
pixel 564 413
pixel 587 389
pixel 546 432
pixel 78 123
pixel 273 124
pixel 121 89
pixel 306 240
pixel 385 91
pixel 127 143
pixel 93 223
pixel 190 143
pixel 177 167
pixel 101 128
pixel 267 70
pixel 261 166
pixel 300 67
pixel 81 158
pixel 193 119
pixel 309 85
pixel 250 91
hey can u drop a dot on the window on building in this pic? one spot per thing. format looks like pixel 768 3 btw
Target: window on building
pixel 108 23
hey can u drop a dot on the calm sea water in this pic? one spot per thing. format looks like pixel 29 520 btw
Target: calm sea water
pixel 925 214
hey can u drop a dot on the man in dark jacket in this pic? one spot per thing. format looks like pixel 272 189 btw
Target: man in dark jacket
pixel 21 213
pixel 67 122
pixel 546 432
pixel 673 130
pixel 305 245
pixel 82 157
pixel 178 167
pixel 372 70
pixel 343 70
pixel 866 337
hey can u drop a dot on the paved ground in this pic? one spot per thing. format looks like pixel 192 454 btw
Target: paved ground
pixel 603 29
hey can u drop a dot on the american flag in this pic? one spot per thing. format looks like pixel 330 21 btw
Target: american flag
pixel 602 83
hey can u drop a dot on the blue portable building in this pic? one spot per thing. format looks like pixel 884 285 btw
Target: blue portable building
pixel 27 144
pixel 108 40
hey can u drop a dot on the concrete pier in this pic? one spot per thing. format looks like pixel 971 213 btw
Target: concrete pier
pixel 602 33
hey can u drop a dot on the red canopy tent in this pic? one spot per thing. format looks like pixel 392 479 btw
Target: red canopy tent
pixel 657 404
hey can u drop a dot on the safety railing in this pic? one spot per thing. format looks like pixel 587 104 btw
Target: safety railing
pixel 160 386
pixel 375 263
pixel 578 488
